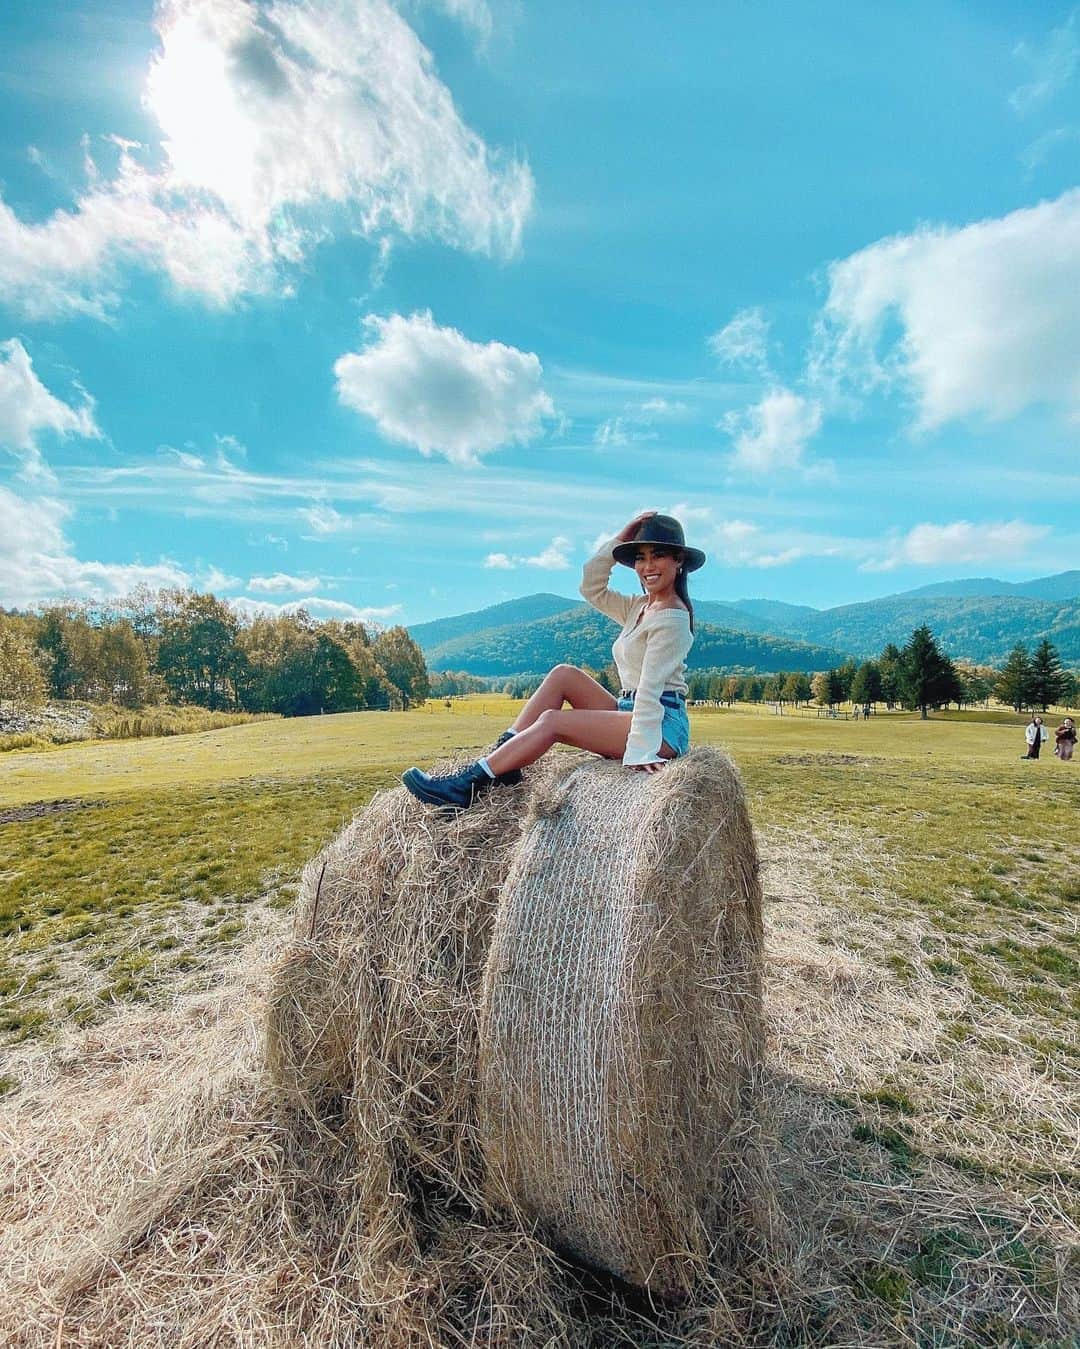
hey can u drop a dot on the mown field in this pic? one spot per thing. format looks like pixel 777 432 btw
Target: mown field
pixel 922 897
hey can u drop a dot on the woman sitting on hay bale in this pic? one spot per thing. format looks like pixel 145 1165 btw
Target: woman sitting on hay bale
pixel 647 724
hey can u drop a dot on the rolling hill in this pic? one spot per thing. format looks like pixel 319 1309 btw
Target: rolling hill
pixel 525 610
pixel 978 619
pixel 979 628
pixel 582 636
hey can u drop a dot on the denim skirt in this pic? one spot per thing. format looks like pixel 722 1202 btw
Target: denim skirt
pixel 675 730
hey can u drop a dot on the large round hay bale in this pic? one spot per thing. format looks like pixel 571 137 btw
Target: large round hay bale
pixel 621 1029
pixel 371 1038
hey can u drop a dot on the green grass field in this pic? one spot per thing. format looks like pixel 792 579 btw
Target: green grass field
pixel 922 892
pixel 161 846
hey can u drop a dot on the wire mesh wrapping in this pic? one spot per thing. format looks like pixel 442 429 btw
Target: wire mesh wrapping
pixel 621 1031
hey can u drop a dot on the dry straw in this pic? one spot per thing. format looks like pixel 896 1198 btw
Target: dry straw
pixel 621 1031
pixel 160 1187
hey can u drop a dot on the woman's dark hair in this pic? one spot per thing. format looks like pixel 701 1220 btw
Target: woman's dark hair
pixel 680 580
pixel 684 594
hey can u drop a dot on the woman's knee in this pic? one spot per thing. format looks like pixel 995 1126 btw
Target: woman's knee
pixel 548 722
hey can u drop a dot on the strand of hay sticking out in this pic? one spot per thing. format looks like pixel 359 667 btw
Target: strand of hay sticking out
pixel 621 1033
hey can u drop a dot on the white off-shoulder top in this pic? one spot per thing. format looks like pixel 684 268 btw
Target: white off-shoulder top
pixel 650 653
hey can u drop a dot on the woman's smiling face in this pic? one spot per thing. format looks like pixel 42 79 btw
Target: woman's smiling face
pixel 657 568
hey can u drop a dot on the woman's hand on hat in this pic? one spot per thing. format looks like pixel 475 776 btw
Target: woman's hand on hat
pixel 628 532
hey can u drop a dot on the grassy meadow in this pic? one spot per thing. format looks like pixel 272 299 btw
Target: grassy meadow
pixel 922 891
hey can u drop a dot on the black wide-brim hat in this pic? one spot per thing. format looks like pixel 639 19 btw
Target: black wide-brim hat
pixel 662 531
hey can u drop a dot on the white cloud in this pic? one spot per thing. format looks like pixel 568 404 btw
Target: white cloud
pixel 1052 65
pixel 612 433
pixel 773 434
pixel 743 544
pixel 279 123
pixel 552 558
pixel 317 607
pixel 215 580
pixel 27 409
pixel 781 559
pixel 1044 146
pixel 281 583
pixel 37 564
pixel 433 388
pixel 185 459
pixel 988 317
pixel 633 423
pixel 744 342
pixel 928 545
pixel 325 520
pixel 474 14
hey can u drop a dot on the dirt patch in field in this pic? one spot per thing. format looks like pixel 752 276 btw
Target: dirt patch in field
pixel 862 759
pixel 37 810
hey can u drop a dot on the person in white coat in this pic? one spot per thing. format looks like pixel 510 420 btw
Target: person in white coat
pixel 646 725
pixel 1034 733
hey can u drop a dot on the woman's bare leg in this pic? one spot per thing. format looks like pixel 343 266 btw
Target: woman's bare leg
pixel 599 732
pixel 564 684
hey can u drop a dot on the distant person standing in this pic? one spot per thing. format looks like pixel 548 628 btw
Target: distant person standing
pixel 1065 739
pixel 1034 733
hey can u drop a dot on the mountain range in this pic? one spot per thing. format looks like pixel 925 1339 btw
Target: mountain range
pixel 976 619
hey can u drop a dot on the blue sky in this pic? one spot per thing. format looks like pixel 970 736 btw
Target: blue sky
pixel 394 310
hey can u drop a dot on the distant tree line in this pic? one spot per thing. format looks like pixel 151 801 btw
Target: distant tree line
pixel 1036 681
pixel 184 647
pixel 919 676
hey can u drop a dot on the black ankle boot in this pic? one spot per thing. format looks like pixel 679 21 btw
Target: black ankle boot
pixel 457 791
pixel 513 777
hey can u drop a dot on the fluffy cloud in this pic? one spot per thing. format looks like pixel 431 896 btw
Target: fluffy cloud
pixel 432 388
pixel 317 607
pixel 773 433
pixel 27 409
pixel 987 315
pixel 281 584
pixel 552 558
pixel 215 580
pixel 928 545
pixel 280 120
pixel 37 564
pixel 744 341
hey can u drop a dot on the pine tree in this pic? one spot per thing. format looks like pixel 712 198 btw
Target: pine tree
pixel 866 686
pixel 1014 682
pixel 927 677
pixel 1047 676
pixel 889 668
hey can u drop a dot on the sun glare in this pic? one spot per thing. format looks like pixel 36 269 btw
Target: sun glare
pixel 209 137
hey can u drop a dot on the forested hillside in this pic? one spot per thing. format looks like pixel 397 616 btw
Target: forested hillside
pixel 525 610
pixel 581 636
pixel 982 629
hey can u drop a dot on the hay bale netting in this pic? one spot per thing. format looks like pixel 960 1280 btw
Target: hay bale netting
pixel 621 1030
pixel 371 1041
